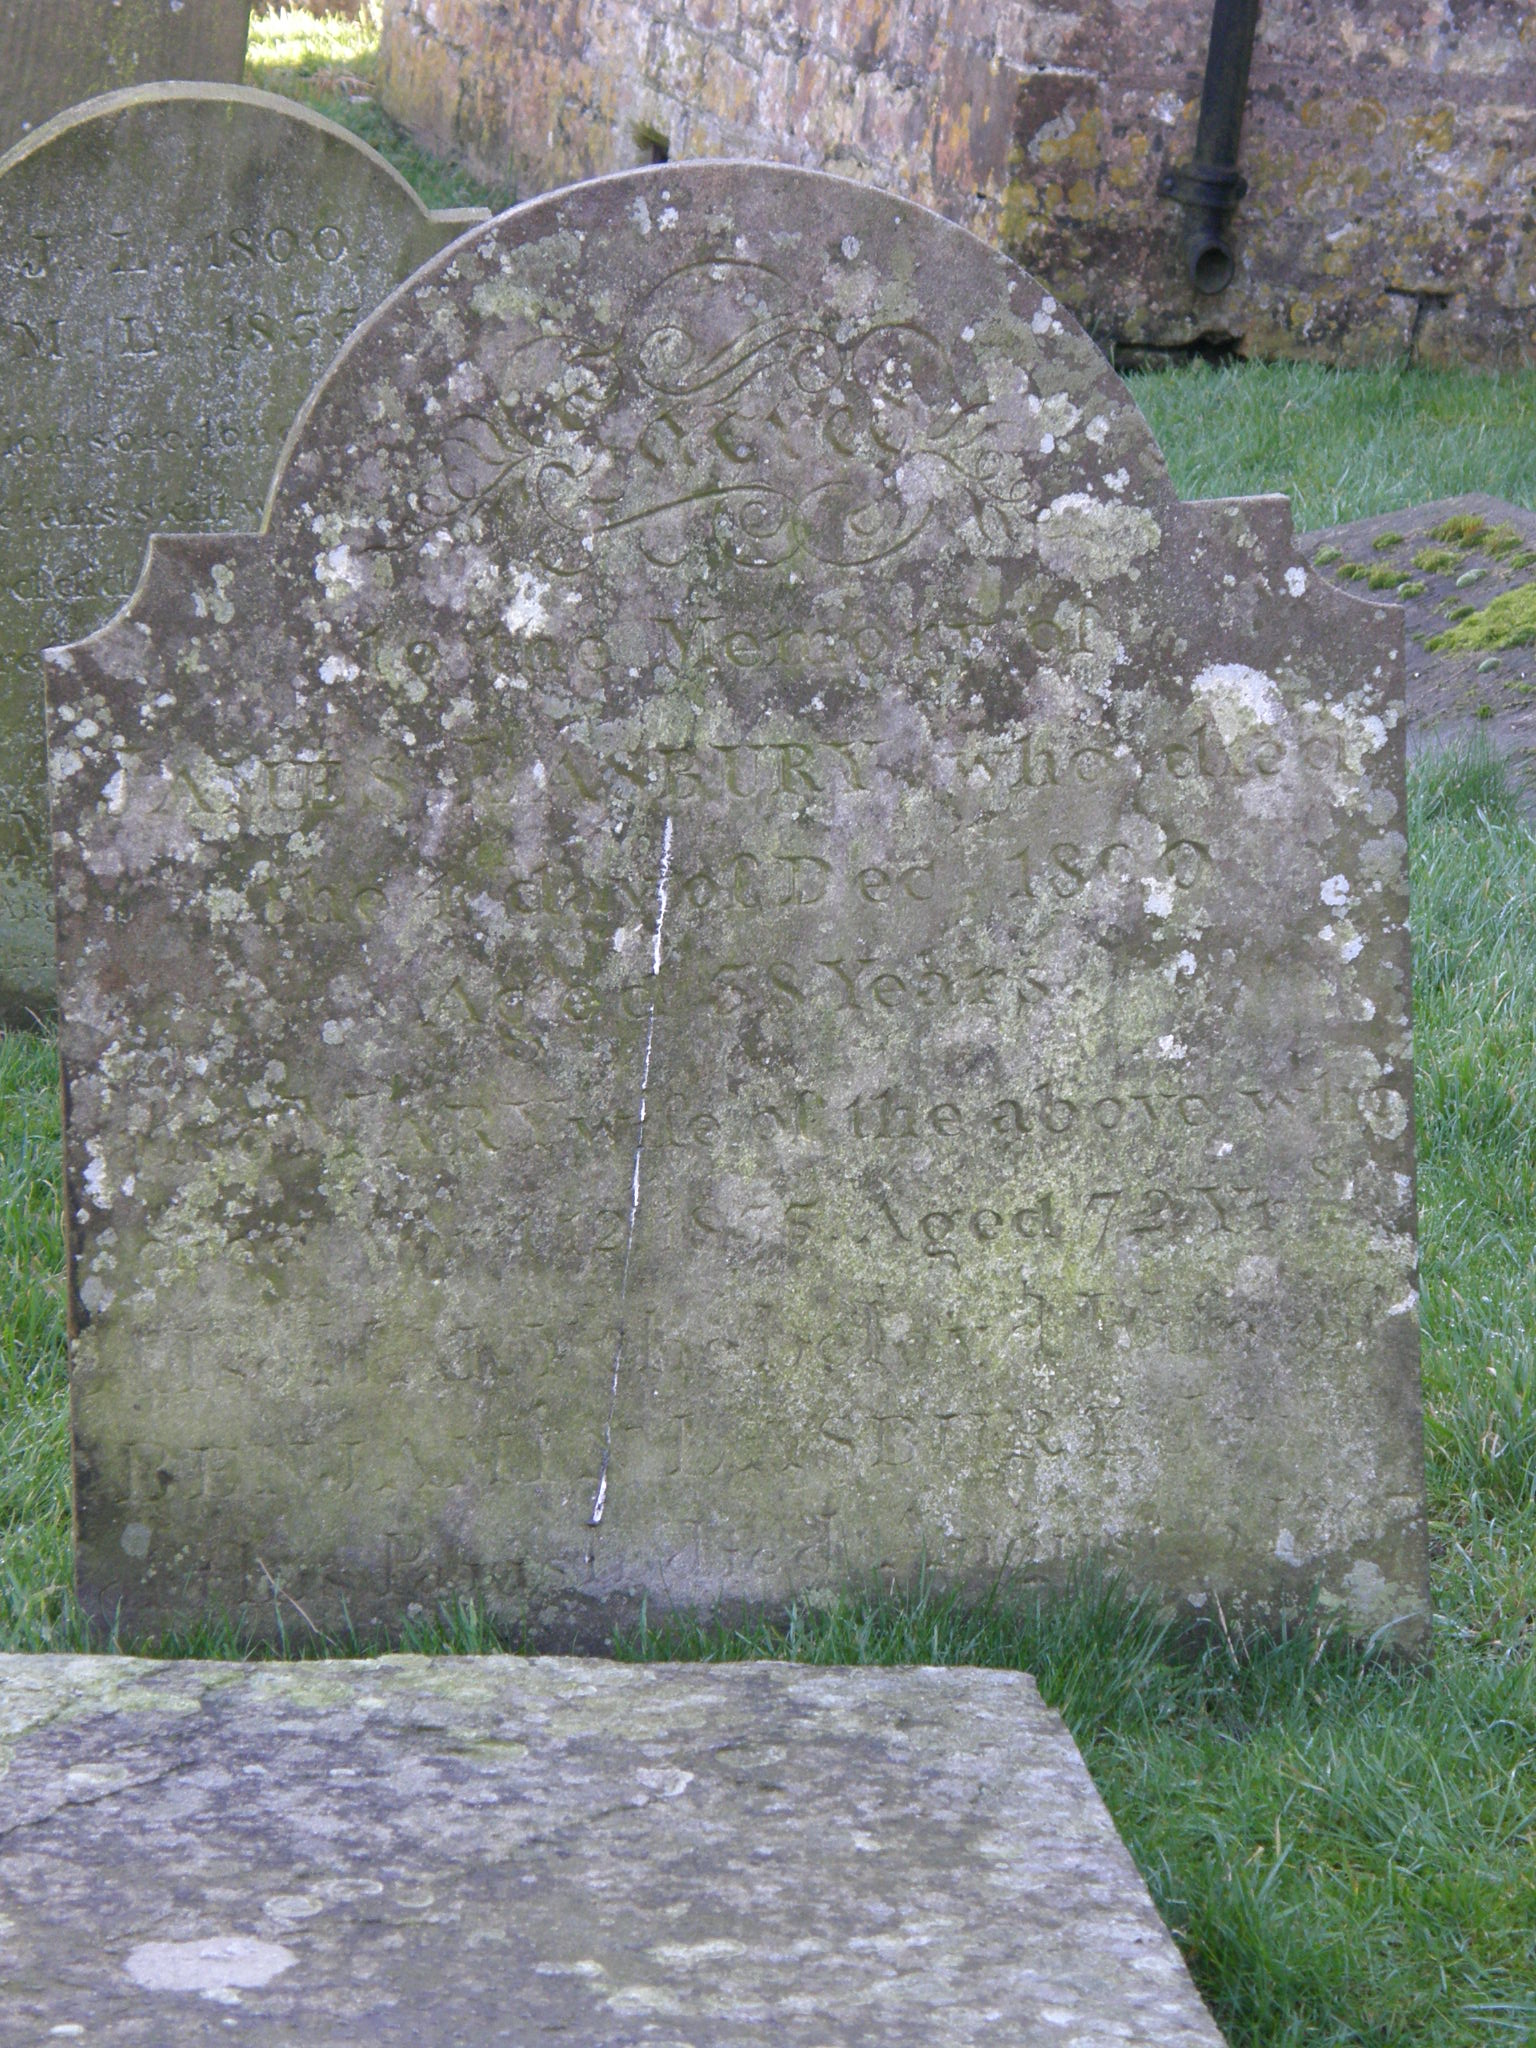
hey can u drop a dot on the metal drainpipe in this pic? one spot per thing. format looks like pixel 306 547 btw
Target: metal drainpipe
pixel 1211 186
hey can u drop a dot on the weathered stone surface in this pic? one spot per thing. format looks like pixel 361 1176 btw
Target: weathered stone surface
pixel 1387 147
pixel 178 264
pixel 726 643
pixel 1447 564
pixel 54 55
pixel 531 1850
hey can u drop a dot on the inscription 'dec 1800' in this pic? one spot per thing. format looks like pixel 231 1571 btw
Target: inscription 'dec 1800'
pixel 735 956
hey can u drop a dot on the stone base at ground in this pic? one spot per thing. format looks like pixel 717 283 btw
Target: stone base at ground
pixel 536 1850
pixel 1464 570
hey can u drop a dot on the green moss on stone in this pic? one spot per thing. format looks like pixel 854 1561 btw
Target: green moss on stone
pixel 1384 579
pixel 1325 555
pixel 1383 541
pixel 1508 621
pixel 1351 572
pixel 1434 560
pixel 1462 529
pixel 1413 588
pixel 1500 540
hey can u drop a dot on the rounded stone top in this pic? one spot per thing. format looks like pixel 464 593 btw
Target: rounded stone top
pixel 730 372
pixel 109 123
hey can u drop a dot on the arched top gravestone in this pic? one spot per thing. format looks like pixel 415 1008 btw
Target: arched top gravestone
pixel 735 956
pixel 178 264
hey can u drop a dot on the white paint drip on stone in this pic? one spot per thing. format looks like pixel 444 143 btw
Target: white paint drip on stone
pixel 600 1498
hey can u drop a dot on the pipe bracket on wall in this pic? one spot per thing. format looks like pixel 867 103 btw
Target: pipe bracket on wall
pixel 1209 188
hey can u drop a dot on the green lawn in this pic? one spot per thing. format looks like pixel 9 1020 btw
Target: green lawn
pixel 1343 446
pixel 1345 1850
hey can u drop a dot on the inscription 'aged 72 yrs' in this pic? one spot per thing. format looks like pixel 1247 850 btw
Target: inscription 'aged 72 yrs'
pixel 178 265
pixel 733 957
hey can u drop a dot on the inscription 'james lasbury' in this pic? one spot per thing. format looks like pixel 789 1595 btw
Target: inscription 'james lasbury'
pixel 779 967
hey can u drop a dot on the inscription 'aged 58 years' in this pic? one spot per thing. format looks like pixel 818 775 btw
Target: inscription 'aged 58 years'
pixel 736 956
pixel 178 264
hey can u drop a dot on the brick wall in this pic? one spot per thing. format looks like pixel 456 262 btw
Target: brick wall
pixel 1390 148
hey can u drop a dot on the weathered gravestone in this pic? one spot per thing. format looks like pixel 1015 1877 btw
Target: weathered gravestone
pixel 54 53
pixel 736 956
pixel 537 1850
pixel 178 264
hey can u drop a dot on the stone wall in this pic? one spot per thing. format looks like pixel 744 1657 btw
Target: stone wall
pixel 1390 149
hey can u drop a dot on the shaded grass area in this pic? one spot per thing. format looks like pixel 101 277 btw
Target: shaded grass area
pixel 328 62
pixel 1345 1849
pixel 1342 444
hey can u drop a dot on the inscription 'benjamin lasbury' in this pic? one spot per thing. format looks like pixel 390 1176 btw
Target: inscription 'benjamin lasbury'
pixel 735 956
pixel 178 264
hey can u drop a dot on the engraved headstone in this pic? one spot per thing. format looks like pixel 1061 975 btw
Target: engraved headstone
pixel 735 956
pixel 178 264
pixel 54 53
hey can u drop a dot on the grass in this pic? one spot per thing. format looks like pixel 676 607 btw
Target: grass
pixel 1343 444
pixel 36 1603
pixel 329 62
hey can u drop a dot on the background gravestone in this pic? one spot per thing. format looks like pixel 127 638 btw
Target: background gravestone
pixel 726 668
pixel 178 264
pixel 54 53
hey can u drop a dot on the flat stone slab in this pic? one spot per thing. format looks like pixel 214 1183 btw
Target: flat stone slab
pixel 542 1849
pixel 1442 562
